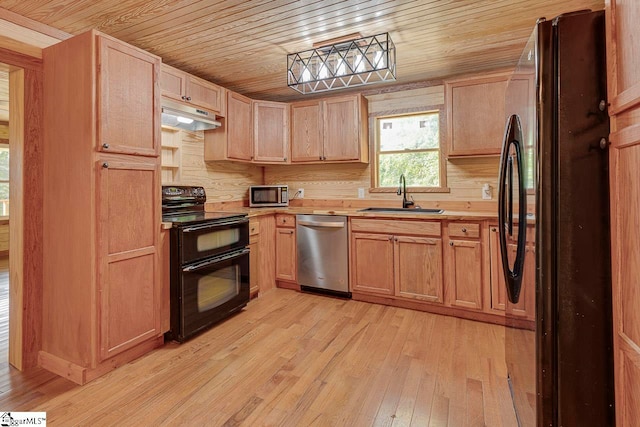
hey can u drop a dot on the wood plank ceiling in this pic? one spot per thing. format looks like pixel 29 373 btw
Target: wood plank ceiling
pixel 242 45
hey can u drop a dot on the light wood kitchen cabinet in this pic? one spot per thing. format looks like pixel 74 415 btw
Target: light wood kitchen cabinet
pixel 330 130
pixel 286 259
pixel 475 109
pixel 192 90
pixel 128 249
pixel 465 268
pixel 101 207
pixel 270 132
pixel 126 75
pixel 234 139
pixel 306 132
pixel 418 273
pixel 254 257
pixel 397 258
pixel 267 253
pixel 372 263
pixel 526 305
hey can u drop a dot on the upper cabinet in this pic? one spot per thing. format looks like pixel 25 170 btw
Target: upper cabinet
pixel 127 88
pixel 476 115
pixel 190 89
pixel 270 132
pixel 234 139
pixel 252 131
pixel 330 130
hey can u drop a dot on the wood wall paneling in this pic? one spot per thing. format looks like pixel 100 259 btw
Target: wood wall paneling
pixel 223 181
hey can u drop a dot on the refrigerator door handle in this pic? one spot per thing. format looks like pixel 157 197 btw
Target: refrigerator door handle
pixel 513 275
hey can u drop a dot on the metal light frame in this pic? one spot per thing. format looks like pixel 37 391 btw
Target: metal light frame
pixel 341 65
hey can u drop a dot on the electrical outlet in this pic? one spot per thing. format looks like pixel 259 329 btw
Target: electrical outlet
pixel 300 193
pixel 361 193
pixel 486 192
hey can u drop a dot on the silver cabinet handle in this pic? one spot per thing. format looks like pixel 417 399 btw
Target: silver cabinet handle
pixel 105 165
pixel 322 224
pixel 464 230
pixel 105 146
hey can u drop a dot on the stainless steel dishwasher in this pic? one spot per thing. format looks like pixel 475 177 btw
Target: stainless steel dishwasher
pixel 323 257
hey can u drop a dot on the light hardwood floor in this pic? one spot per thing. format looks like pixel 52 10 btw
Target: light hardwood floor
pixel 294 359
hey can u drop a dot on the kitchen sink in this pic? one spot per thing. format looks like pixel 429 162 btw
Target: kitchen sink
pixel 403 210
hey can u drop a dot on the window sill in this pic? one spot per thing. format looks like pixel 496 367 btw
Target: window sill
pixel 411 190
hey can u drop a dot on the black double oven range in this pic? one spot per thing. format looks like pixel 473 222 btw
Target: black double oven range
pixel 209 261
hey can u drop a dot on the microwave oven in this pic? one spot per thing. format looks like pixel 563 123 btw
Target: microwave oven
pixel 268 195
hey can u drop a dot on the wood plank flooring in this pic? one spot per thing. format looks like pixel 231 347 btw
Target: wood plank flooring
pixel 294 359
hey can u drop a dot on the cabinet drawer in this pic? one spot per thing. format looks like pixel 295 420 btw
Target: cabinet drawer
pixel 285 220
pixel 254 227
pixel 531 233
pixel 459 229
pixel 391 226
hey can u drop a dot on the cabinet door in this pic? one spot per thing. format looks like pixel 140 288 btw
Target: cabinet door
pixel 341 128
pixel 205 94
pixel 372 263
pixel 526 305
pixel 498 290
pixel 254 258
pixel 271 131
pixel 267 252
pixel 128 245
pixel 286 254
pixel 306 132
pixel 239 127
pixel 173 83
pixel 128 99
pixel 476 116
pixel 418 272
pixel 464 280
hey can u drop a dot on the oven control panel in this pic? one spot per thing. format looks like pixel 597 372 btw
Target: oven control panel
pixel 183 192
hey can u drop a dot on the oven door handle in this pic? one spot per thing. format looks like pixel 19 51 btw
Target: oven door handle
pixel 208 262
pixel 213 225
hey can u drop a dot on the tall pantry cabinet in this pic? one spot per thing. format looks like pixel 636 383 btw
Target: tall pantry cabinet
pixel 101 286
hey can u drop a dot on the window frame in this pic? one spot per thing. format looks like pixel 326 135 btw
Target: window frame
pixel 5 144
pixel 375 149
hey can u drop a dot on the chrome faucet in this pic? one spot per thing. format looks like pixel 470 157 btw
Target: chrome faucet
pixel 402 191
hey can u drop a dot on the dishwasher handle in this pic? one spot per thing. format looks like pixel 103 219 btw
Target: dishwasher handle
pixel 322 224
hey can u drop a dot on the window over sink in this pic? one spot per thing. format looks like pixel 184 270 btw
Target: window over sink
pixel 409 144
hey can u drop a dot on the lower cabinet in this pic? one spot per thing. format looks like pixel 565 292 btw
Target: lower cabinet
pixel 129 251
pixel 387 263
pixel 254 257
pixel 286 261
pixel 465 265
pixel 525 307
pixel 372 263
pixel 418 262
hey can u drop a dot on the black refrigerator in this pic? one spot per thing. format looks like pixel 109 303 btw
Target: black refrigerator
pixel 554 174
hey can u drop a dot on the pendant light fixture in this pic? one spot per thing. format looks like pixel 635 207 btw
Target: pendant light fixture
pixel 341 63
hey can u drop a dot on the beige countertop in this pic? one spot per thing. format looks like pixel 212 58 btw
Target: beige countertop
pixel 355 212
